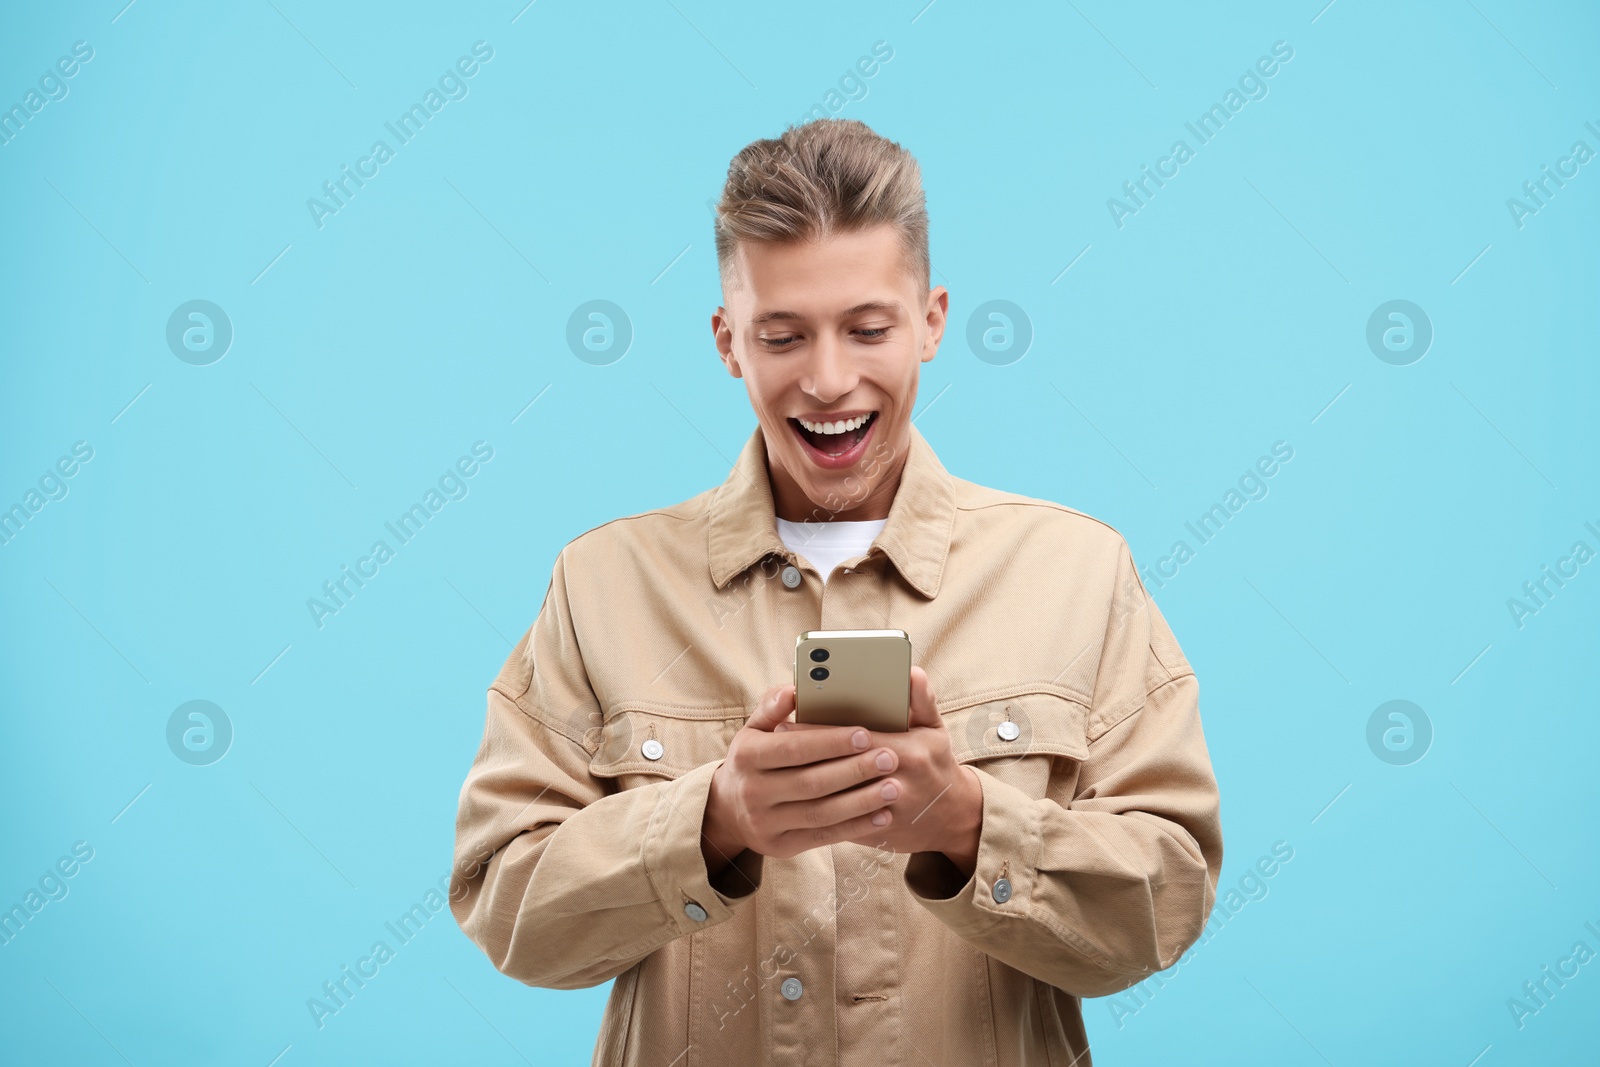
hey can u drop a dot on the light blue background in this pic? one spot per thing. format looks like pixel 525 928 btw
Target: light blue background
pixel 1228 314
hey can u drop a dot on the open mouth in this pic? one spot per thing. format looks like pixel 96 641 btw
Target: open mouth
pixel 835 444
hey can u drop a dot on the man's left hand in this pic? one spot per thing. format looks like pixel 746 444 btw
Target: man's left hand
pixel 940 806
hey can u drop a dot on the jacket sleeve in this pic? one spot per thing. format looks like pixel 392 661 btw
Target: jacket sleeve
pixel 560 882
pixel 1116 881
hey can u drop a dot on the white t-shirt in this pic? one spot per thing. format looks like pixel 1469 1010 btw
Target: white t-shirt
pixel 825 545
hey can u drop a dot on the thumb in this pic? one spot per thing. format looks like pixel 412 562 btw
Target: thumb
pixel 924 712
pixel 776 705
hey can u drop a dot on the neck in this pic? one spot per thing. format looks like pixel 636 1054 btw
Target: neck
pixel 790 501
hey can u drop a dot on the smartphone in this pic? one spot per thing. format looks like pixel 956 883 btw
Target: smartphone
pixel 853 678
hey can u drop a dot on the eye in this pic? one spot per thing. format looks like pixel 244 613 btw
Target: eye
pixel 876 333
pixel 778 342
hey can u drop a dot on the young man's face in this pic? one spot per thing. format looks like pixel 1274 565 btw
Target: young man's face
pixel 829 334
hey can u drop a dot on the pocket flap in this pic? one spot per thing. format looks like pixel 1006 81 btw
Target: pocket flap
pixel 679 739
pixel 1039 722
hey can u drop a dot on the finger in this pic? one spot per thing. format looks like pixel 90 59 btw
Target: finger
pixel 809 816
pixel 924 712
pixel 785 727
pixel 795 748
pixel 827 777
pixel 862 828
pixel 776 705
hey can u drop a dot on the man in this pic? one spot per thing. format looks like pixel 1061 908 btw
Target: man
pixel 642 808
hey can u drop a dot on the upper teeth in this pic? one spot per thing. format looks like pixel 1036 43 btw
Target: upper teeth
pixel 836 427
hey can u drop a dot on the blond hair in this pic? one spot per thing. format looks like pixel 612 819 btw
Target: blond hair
pixel 822 177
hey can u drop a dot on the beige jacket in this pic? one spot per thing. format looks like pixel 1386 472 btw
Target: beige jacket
pixel 578 856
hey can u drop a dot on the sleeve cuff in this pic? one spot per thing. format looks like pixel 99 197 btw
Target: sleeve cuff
pixel 675 866
pixel 740 878
pixel 1009 844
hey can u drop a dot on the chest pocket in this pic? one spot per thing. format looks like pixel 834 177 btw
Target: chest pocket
pixel 642 743
pixel 1020 738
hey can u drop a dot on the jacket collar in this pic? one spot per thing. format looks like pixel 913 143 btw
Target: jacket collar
pixel 742 526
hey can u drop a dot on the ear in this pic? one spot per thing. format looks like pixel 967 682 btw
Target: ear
pixel 938 313
pixel 722 335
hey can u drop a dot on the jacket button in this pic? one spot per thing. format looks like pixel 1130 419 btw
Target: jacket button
pixel 791 989
pixel 1002 890
pixel 1008 731
pixel 652 749
pixel 791 576
pixel 695 912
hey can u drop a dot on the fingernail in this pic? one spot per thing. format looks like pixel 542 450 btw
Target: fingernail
pixel 889 790
pixel 860 739
pixel 880 818
pixel 886 760
pixel 780 728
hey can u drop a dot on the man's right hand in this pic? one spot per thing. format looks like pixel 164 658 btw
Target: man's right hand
pixel 780 793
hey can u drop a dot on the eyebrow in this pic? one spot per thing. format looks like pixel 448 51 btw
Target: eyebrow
pixel 869 305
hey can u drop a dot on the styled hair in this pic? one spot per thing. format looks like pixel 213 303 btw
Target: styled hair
pixel 822 177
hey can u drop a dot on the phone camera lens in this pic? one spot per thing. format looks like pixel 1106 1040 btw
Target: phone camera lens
pixel 819 673
pixel 819 654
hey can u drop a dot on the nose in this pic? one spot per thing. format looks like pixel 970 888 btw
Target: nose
pixel 831 373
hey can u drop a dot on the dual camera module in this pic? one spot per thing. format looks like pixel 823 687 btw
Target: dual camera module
pixel 817 656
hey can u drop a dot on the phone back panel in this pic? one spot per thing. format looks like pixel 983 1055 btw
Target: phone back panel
pixel 868 682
